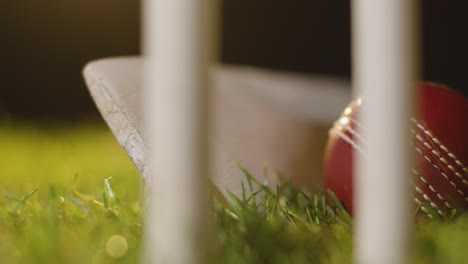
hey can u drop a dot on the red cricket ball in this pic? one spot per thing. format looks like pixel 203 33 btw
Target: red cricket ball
pixel 440 142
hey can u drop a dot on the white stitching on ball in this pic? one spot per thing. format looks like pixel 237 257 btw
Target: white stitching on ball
pixel 444 148
pixel 416 200
pixel 447 204
pixel 441 172
pixel 349 140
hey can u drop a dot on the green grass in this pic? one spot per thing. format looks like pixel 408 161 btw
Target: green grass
pixel 51 196
pixel 58 204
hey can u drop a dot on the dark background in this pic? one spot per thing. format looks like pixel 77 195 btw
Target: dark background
pixel 44 45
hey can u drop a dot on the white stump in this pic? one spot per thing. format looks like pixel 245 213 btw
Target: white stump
pixel 176 45
pixel 384 35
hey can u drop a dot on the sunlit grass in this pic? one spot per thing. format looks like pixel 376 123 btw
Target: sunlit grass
pixel 70 195
pixel 52 186
pixel 32 157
